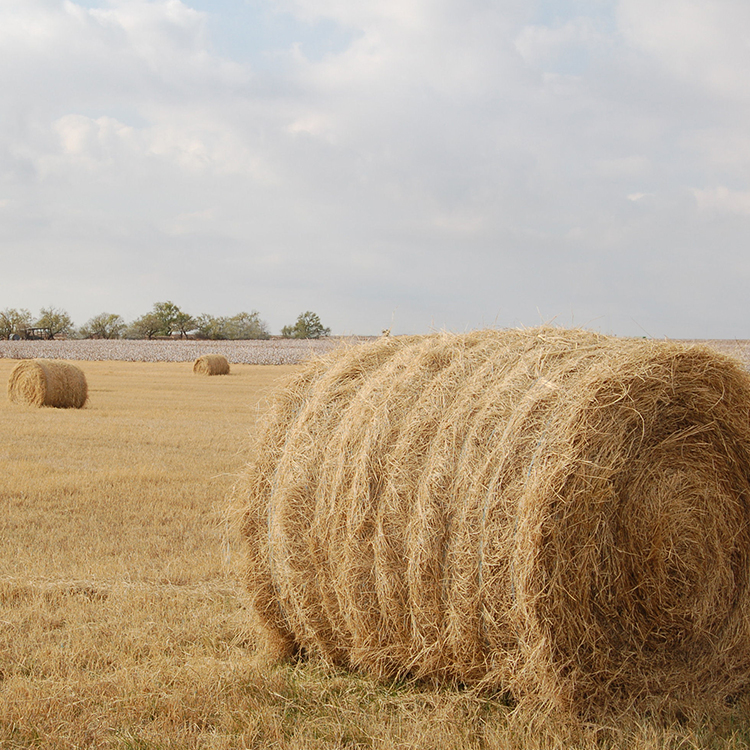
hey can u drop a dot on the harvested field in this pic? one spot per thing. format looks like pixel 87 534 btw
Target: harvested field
pixel 269 352
pixel 122 624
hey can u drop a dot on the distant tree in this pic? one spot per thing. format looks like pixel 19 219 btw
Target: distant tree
pixel 308 326
pixel 246 325
pixel 145 327
pixel 13 320
pixel 169 315
pixel 103 326
pixel 173 319
pixel 184 323
pixel 209 327
pixel 55 319
pixel 164 319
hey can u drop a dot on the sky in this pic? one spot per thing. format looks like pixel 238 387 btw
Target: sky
pixel 406 164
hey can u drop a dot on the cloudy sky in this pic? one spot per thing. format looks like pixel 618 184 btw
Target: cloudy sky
pixel 420 164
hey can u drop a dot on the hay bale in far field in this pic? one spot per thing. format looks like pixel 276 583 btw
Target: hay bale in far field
pixel 551 512
pixel 45 382
pixel 211 364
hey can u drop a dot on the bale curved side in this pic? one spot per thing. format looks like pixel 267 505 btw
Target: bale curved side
pixel 42 382
pixel 211 364
pixel 555 513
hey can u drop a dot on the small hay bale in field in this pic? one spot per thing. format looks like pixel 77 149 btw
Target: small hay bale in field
pixel 211 364
pixel 45 382
pixel 551 512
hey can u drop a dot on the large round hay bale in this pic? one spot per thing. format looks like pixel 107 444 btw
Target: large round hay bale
pixel 47 382
pixel 552 512
pixel 211 364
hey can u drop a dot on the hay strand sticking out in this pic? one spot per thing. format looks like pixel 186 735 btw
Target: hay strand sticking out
pixel 556 513
pixel 211 364
pixel 44 382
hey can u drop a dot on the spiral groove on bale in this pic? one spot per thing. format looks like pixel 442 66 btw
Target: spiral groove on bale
pixel 551 512
pixel 43 382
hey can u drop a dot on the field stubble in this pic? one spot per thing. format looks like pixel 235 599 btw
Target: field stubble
pixel 121 623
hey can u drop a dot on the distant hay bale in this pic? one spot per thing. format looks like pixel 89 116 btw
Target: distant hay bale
pixel 45 382
pixel 211 364
pixel 555 513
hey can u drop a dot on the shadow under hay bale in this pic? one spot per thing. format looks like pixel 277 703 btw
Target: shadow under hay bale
pixel 211 364
pixel 552 512
pixel 45 382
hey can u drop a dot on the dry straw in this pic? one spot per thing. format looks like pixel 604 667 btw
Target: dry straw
pixel 44 382
pixel 211 364
pixel 551 512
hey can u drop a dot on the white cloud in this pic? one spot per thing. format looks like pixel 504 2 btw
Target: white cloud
pixel 724 148
pixel 85 137
pixel 566 47
pixel 626 166
pixel 700 41
pixel 194 222
pixel 404 16
pixel 464 162
pixel 722 200
pixel 635 197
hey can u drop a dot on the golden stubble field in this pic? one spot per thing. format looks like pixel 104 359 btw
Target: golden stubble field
pixel 121 622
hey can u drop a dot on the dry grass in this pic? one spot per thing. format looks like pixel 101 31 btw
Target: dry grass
pixel 120 624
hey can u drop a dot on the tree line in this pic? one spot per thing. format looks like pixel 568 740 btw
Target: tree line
pixel 165 319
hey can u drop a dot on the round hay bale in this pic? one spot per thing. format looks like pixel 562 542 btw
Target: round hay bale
pixel 555 513
pixel 211 364
pixel 47 382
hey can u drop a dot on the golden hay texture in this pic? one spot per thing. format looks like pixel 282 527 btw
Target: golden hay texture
pixel 47 382
pixel 211 364
pixel 555 513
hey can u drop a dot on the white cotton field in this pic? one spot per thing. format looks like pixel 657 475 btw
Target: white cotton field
pixel 270 352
